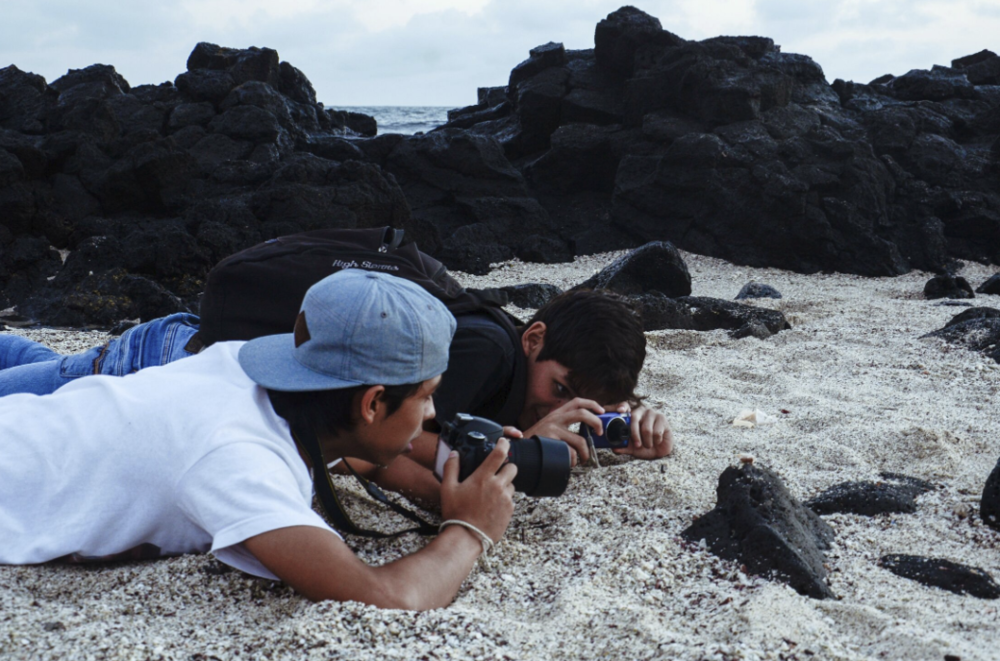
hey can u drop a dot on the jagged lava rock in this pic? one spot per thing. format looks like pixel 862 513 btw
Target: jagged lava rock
pixel 757 522
pixel 730 147
pixel 944 574
pixel 948 286
pixel 895 493
pixel 989 505
pixel 165 180
pixel 991 286
pixel 976 329
pixel 654 267
pixel 699 313
pixel 531 295
pixel 757 290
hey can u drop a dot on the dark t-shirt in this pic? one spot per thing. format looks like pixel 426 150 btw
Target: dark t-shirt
pixel 486 372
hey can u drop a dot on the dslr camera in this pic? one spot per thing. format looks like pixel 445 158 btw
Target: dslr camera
pixel 617 431
pixel 543 464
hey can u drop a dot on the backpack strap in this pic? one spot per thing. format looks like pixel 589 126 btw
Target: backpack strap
pixel 331 505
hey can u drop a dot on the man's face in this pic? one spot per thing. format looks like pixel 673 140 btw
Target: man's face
pixel 389 436
pixel 548 389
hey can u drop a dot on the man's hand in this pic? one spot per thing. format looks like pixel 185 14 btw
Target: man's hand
pixel 556 424
pixel 485 498
pixel 651 437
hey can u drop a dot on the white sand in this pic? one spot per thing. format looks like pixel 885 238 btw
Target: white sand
pixel 602 572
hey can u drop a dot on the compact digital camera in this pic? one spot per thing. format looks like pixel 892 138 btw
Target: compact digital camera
pixel 617 431
pixel 543 464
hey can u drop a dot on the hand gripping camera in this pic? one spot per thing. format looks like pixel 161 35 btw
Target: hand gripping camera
pixel 543 464
pixel 617 431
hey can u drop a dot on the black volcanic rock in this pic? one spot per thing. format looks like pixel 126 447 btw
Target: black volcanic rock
pixel 730 147
pixel 976 329
pixel 989 504
pixel 948 286
pixel 725 146
pixel 758 523
pixel 699 313
pixel 654 267
pixel 757 290
pixel 991 286
pixel 895 493
pixel 468 204
pixel 944 574
pixel 973 313
pixel 621 39
pixel 146 187
pixel 531 295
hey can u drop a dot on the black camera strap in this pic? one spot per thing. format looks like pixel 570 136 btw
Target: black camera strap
pixel 327 495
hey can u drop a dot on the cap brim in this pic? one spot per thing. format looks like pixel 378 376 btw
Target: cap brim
pixel 270 362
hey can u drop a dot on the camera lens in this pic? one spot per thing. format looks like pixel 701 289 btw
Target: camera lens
pixel 543 466
pixel 617 433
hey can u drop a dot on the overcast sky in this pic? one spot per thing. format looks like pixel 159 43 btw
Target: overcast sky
pixel 437 52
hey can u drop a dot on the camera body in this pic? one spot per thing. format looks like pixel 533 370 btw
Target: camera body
pixel 543 464
pixel 617 431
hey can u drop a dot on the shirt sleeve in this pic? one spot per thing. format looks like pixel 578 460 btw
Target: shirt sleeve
pixel 241 490
pixel 480 366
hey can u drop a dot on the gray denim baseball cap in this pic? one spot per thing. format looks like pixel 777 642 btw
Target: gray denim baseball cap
pixel 355 328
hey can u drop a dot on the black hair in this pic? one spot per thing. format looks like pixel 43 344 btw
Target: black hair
pixel 599 337
pixel 328 412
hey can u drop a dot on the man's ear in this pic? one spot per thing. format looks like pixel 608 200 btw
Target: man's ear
pixel 369 402
pixel 533 338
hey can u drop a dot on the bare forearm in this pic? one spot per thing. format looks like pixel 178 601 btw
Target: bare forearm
pixel 319 565
pixel 431 577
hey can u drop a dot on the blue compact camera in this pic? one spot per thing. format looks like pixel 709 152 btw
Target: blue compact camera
pixel 617 431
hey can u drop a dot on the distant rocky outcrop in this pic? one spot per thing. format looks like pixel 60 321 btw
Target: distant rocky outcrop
pixel 116 200
pixel 730 147
pixel 143 189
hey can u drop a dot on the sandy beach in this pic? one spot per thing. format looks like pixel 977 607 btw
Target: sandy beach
pixel 602 572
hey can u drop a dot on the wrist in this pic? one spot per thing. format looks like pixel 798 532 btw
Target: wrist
pixel 482 540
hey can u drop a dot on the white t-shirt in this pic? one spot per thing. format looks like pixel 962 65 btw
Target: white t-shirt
pixel 187 457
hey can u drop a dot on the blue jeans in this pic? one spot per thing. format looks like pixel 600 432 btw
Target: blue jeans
pixel 27 366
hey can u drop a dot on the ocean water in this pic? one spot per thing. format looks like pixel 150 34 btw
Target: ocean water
pixel 403 119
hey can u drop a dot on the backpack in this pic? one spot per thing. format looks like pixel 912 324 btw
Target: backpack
pixel 259 291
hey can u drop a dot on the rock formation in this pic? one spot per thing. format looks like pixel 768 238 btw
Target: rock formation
pixel 976 329
pixel 732 148
pixel 894 493
pixel 115 200
pixel 944 574
pixel 757 522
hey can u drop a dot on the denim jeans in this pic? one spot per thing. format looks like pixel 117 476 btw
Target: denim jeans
pixel 27 366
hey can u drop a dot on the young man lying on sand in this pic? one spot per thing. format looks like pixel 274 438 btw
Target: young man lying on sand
pixel 580 353
pixel 201 455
